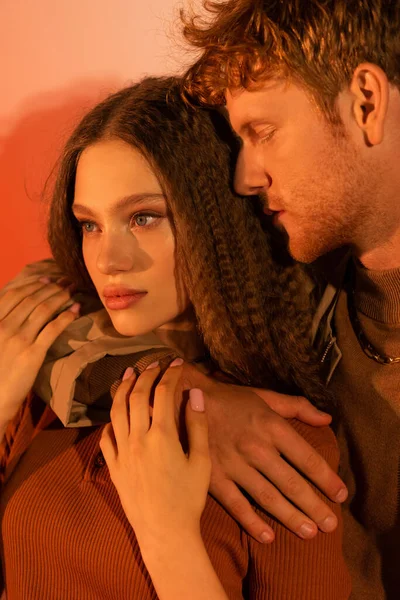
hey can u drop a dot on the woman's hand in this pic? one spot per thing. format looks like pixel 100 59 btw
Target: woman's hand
pixel 162 490
pixel 26 333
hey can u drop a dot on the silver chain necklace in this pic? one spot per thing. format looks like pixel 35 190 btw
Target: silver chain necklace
pixel 365 344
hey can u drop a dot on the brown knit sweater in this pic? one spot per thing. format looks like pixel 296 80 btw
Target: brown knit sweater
pixel 368 394
pixel 64 534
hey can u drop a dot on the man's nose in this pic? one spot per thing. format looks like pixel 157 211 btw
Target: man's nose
pixel 115 255
pixel 250 175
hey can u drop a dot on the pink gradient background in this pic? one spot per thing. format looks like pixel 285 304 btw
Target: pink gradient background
pixel 57 59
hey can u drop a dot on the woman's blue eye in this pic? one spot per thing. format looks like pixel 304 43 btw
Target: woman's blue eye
pixel 142 220
pixel 87 226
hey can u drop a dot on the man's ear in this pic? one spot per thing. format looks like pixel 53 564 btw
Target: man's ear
pixel 370 89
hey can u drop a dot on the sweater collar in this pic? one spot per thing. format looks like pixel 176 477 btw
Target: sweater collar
pixel 377 293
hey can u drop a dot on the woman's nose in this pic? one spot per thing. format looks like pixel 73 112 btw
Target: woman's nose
pixel 115 255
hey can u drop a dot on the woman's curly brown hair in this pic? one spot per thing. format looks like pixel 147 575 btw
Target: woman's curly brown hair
pixel 249 298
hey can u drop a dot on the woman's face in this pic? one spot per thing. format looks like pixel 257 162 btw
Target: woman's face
pixel 128 244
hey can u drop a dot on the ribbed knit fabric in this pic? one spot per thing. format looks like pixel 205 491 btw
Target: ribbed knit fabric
pixel 378 295
pixel 64 535
pixel 368 395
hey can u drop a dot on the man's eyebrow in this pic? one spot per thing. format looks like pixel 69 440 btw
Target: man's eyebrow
pixel 130 200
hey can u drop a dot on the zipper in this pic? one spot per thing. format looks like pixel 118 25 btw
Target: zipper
pixel 328 347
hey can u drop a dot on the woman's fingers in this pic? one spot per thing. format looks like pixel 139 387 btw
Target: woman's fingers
pixel 108 444
pixel 52 330
pixel 130 412
pixel 164 397
pixel 46 311
pixel 10 298
pixel 34 310
pixel 197 430
pixel 119 411
pixel 139 400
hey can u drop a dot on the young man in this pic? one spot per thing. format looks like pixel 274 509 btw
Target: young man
pixel 312 91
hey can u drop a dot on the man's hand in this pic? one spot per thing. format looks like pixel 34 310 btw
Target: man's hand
pixel 253 447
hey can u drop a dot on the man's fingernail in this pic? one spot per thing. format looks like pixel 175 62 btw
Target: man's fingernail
pixel 266 537
pixel 44 280
pixel 177 362
pixel 307 531
pixel 328 524
pixel 153 365
pixel 196 399
pixel 342 495
pixel 128 373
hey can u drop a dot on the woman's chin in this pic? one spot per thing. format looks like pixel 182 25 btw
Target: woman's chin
pixel 128 328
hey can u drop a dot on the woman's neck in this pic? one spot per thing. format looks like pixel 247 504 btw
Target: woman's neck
pixel 182 336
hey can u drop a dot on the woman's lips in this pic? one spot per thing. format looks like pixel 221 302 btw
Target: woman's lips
pixel 123 302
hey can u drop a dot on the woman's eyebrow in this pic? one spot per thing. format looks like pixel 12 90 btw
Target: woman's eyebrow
pixel 130 200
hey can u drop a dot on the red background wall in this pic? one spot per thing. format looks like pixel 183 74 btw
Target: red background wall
pixel 57 59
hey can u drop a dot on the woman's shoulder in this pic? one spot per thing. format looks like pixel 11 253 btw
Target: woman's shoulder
pixel 321 439
pixel 33 416
pixel 315 436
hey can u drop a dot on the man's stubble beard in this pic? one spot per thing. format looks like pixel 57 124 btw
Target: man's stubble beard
pixel 335 213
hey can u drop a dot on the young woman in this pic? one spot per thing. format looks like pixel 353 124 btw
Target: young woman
pixel 143 215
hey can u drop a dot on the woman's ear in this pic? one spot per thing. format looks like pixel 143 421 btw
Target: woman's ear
pixel 370 89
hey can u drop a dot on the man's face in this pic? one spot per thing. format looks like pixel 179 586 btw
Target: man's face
pixel 311 177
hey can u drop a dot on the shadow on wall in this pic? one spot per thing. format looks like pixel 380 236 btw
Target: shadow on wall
pixel 28 155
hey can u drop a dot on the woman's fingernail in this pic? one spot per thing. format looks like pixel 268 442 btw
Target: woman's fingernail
pixel 177 362
pixel 75 308
pixel 63 282
pixel 196 399
pixel 44 280
pixel 128 373
pixel 153 365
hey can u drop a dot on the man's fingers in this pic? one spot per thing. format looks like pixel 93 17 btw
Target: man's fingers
pixel 229 495
pixel 309 462
pixel 294 407
pixel 272 501
pixel 284 484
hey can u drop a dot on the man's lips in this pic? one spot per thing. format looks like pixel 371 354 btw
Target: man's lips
pixel 272 211
pixel 119 298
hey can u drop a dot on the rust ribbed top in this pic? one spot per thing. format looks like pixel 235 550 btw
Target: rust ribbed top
pixel 64 534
